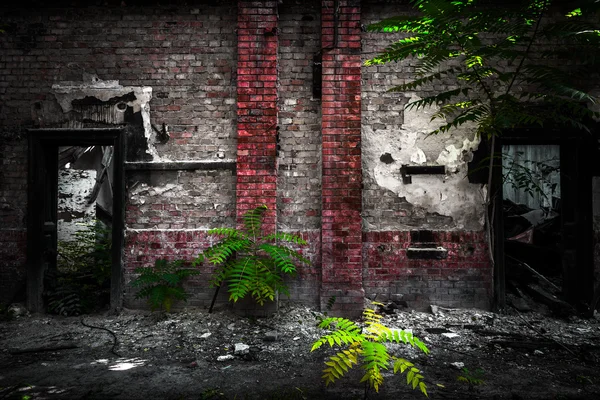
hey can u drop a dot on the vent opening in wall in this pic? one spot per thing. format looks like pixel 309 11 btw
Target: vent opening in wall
pixel 317 75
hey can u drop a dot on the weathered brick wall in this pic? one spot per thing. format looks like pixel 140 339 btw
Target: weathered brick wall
pixel 342 173
pixel 257 49
pixel 446 204
pixel 13 195
pixel 187 56
pixel 299 153
pixel 462 279
pixel 231 82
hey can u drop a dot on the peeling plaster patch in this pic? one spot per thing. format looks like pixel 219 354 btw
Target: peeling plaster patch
pixel 449 195
pixel 67 92
pixel 454 158
pixel 145 190
pixel 418 157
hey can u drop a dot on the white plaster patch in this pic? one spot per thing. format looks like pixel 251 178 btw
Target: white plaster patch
pixel 450 194
pixel 418 157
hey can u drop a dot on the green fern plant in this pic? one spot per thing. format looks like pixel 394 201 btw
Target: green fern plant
pixel 161 284
pixel 252 263
pixel 472 378
pixel 365 346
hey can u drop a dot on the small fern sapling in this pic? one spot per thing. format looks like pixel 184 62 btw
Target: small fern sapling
pixel 472 378
pixel 366 347
pixel 250 263
pixel 161 284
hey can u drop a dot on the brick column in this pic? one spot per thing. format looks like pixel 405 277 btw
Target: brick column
pixel 257 107
pixel 342 170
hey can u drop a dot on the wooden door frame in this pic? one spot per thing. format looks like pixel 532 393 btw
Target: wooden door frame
pixel 578 284
pixel 40 142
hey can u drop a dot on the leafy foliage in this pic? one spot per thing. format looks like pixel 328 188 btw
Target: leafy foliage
pixel 90 252
pixel 250 263
pixel 81 282
pixel 529 176
pixel 472 378
pixel 366 347
pixel 161 284
pixel 505 67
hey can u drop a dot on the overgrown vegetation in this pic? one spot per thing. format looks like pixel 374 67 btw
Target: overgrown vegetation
pixel 472 378
pixel 499 67
pixel 251 262
pixel 366 348
pixel 529 176
pixel 161 285
pixel 506 66
pixel 81 282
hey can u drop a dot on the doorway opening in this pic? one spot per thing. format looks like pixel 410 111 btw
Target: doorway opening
pixel 80 283
pixel 545 232
pixel 75 220
pixel 531 207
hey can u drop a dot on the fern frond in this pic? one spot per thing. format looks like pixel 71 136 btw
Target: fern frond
pixel 339 338
pixel 221 252
pixel 286 237
pixel 413 374
pixel 227 232
pixel 417 83
pixel 253 220
pixel 399 24
pixel 433 59
pixel 437 99
pixel 554 80
pixel 473 114
pixel 403 48
pixel 376 358
pixel 282 257
pixel 339 364
pixel 239 277
pixel 339 323
pixel 402 336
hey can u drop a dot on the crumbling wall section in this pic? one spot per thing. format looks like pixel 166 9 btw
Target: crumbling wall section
pixel 441 204
pixel 167 74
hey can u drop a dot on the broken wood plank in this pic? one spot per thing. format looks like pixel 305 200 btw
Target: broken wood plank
pixel 533 271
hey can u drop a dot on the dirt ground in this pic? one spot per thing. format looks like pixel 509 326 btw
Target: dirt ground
pixel 191 355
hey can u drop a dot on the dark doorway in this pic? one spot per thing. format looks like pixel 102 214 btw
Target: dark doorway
pixel 50 151
pixel 544 229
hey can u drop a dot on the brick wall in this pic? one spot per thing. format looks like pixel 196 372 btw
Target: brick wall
pixel 233 82
pixel 13 195
pixel 257 49
pixel 299 180
pixel 462 279
pixel 299 141
pixel 342 174
pixel 446 204
pixel 187 55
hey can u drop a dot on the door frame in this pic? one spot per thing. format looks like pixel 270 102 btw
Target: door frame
pixel 42 145
pixel 578 267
